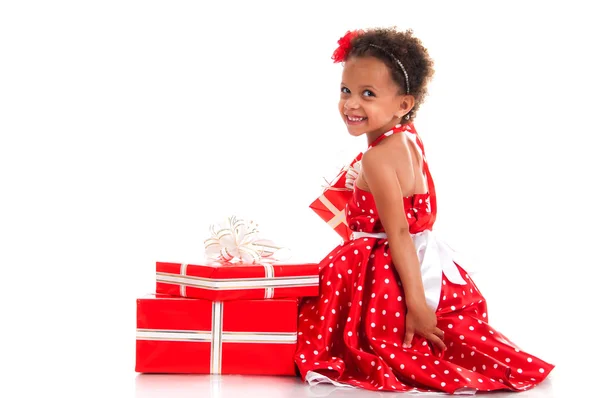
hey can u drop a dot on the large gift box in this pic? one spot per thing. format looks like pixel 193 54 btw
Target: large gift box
pixel 331 204
pixel 183 335
pixel 237 281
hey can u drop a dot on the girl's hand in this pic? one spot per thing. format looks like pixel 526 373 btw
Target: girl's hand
pixel 422 321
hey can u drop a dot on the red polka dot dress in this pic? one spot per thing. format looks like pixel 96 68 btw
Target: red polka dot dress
pixel 352 333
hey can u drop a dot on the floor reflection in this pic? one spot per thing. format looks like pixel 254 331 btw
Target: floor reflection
pixel 213 386
pixel 238 386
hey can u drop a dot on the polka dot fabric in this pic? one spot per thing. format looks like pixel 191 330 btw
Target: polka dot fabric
pixel 352 333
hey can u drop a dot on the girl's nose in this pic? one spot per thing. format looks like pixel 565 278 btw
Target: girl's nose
pixel 351 104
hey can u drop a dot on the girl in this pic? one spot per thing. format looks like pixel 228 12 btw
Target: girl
pixel 396 313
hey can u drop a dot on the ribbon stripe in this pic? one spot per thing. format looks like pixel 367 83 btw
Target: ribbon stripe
pixel 270 274
pixel 216 347
pixel 269 282
pixel 182 271
pixel 202 336
pixel 339 216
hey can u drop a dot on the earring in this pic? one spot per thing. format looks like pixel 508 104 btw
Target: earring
pixel 407 117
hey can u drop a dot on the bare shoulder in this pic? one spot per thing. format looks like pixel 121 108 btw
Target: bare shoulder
pixel 395 159
pixel 393 152
pixel 372 158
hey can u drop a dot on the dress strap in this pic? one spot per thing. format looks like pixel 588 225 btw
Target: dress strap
pixel 430 184
pixel 399 128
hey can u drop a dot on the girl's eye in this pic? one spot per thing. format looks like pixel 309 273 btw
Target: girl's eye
pixel 368 93
pixel 345 90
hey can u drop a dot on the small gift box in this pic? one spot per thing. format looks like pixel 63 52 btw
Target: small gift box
pixel 182 335
pixel 240 265
pixel 237 281
pixel 331 204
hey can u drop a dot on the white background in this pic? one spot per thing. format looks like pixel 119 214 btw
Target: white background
pixel 127 127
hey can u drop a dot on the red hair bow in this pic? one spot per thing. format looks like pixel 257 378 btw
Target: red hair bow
pixel 344 46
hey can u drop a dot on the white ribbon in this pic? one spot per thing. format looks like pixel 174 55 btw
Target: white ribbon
pixel 435 258
pixel 216 338
pixel 238 241
pixel 349 172
pixel 352 175
pixel 182 272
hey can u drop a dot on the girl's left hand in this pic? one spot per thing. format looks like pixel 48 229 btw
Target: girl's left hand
pixel 423 321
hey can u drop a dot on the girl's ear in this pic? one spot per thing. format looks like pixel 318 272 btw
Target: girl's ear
pixel 407 102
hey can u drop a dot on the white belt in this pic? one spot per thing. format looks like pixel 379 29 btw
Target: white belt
pixel 435 258
pixel 376 235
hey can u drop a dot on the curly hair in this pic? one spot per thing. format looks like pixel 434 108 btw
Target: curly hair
pixel 409 50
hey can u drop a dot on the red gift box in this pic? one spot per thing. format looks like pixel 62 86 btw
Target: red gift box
pixel 331 204
pixel 237 281
pixel 182 335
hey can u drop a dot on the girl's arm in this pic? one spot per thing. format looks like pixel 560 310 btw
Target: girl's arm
pixel 379 172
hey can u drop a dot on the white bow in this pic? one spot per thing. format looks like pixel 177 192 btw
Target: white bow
pixel 238 241
pixel 352 175
pixel 349 173
pixel 436 257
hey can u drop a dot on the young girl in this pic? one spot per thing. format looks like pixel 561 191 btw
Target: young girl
pixel 396 313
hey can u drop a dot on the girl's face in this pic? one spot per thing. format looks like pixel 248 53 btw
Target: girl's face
pixel 369 100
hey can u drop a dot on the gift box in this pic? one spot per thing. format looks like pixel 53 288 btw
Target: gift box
pixel 331 204
pixel 183 335
pixel 219 281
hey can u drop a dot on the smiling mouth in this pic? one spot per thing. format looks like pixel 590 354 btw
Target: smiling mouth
pixel 355 120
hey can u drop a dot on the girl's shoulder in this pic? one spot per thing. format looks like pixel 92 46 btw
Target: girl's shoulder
pixel 396 149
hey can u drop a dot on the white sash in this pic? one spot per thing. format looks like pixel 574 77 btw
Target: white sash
pixel 435 258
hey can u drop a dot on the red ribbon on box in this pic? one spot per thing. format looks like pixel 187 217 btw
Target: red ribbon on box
pixel 180 335
pixel 331 204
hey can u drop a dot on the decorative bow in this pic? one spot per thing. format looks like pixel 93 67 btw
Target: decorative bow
pixel 352 175
pixel 345 179
pixel 238 240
